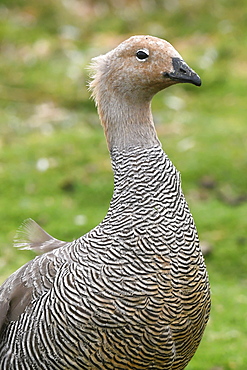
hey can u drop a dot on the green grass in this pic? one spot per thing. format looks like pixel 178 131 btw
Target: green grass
pixel 48 122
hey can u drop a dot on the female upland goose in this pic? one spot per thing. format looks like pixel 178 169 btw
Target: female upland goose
pixel 133 293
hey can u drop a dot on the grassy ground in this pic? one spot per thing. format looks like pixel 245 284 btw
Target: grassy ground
pixel 54 165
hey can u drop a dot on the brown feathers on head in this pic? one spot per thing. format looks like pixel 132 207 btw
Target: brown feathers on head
pixel 97 68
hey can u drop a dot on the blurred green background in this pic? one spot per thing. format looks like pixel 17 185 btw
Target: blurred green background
pixel 54 164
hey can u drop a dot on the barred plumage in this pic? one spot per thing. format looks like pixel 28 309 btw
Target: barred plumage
pixel 133 293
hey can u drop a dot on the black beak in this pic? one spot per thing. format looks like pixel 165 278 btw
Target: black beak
pixel 183 73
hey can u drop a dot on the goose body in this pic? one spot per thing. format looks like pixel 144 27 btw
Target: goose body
pixel 133 293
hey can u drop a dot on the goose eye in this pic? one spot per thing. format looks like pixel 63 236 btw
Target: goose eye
pixel 142 54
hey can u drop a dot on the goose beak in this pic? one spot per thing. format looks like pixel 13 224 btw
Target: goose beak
pixel 183 73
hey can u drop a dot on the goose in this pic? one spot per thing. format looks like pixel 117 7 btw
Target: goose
pixel 132 293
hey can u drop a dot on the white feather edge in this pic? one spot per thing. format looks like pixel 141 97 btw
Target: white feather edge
pixel 30 236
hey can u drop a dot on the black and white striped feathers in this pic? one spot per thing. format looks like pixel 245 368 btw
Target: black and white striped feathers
pixel 132 292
